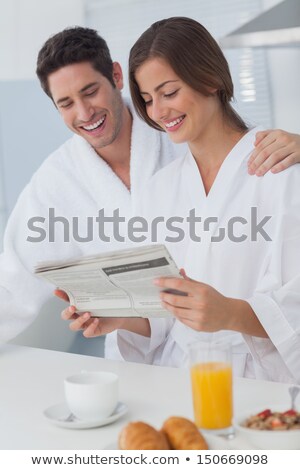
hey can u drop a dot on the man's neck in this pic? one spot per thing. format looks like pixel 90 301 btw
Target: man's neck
pixel 117 154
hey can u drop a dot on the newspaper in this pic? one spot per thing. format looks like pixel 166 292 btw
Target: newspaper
pixel 114 284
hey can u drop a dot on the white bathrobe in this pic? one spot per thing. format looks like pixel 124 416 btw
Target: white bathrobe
pixel 77 183
pixel 265 273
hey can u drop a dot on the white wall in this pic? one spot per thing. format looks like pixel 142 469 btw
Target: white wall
pixel 24 27
pixel 284 66
pixel 285 73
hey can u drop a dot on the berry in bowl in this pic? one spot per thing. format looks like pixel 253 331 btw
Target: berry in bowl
pixel 268 429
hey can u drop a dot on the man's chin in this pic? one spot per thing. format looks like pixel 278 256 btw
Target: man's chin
pixel 98 144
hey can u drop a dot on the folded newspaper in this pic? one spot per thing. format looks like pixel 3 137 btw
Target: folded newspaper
pixel 114 284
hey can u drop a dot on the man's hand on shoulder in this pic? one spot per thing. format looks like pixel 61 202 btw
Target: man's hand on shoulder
pixel 275 150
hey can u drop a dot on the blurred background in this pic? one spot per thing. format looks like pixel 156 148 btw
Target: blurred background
pixel 266 83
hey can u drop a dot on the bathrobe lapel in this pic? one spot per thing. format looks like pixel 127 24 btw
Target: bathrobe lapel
pixel 215 203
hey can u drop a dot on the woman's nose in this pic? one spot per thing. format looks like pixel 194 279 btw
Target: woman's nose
pixel 159 111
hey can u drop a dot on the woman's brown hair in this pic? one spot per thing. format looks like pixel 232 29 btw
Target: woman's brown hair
pixel 195 57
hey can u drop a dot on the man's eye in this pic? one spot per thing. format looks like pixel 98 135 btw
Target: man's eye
pixel 65 105
pixel 91 93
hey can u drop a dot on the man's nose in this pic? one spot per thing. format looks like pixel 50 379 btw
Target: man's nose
pixel 85 111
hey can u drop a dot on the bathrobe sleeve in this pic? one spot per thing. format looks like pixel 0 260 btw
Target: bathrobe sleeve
pixel 22 293
pixel 137 348
pixel 276 300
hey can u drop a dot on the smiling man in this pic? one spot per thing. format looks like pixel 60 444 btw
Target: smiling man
pixel 105 165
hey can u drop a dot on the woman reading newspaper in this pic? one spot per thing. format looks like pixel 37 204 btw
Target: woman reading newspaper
pixel 243 270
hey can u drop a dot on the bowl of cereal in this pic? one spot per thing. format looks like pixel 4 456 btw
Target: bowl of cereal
pixel 270 428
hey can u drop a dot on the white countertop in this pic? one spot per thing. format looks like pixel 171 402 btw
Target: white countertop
pixel 32 380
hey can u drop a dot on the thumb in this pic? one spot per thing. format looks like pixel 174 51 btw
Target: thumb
pixel 61 294
pixel 183 274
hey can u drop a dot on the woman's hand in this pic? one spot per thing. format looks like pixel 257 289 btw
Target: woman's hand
pixel 275 150
pixel 205 309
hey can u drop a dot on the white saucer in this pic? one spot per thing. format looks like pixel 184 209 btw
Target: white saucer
pixel 60 415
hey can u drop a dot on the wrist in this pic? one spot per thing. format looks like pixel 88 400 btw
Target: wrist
pixel 140 326
pixel 232 314
pixel 243 319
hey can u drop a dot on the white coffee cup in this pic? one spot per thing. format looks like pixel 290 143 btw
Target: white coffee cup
pixel 92 395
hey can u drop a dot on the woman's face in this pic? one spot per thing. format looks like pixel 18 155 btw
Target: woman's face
pixel 184 113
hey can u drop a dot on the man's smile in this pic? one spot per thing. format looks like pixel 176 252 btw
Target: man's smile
pixel 95 125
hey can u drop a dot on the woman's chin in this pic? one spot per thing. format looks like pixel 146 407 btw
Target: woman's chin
pixel 176 138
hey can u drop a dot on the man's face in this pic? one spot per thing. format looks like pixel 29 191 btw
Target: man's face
pixel 88 103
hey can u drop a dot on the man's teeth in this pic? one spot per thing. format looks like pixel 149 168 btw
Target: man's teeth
pixel 173 123
pixel 95 125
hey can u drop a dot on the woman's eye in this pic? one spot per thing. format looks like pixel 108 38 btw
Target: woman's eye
pixel 169 95
pixel 147 103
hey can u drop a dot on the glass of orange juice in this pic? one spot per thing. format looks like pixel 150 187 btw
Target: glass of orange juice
pixel 211 376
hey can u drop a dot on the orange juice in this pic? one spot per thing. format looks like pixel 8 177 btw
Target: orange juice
pixel 212 394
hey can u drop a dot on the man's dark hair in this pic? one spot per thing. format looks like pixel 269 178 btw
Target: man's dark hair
pixel 72 46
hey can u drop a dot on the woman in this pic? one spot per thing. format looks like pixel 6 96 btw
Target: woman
pixel 246 282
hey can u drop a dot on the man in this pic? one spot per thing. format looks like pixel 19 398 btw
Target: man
pixel 103 166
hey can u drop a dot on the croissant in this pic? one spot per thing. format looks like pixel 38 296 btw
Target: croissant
pixel 142 436
pixel 183 434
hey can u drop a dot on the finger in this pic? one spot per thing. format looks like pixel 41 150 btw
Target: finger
pixel 276 157
pixel 180 301
pixel 278 137
pixel 177 311
pixel 269 139
pixel 69 313
pixel 81 322
pixel 170 283
pixel 264 154
pixel 61 294
pixel 284 164
pixel 186 286
pixel 259 136
pixel 93 329
pixel 191 315
pixel 192 324
pixel 183 274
